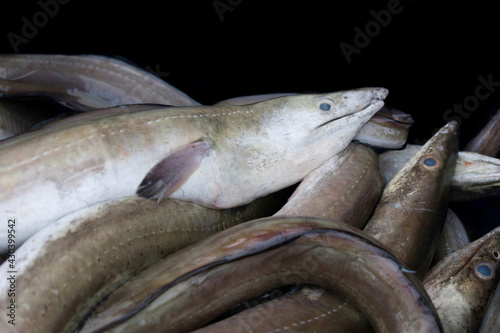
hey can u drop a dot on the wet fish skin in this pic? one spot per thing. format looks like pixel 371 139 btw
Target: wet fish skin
pixel 476 176
pixel 84 82
pixel 453 237
pixel 491 319
pixel 335 190
pixel 446 144
pixel 175 292
pixel 191 154
pixel 386 111
pixel 97 115
pixel 461 284
pixel 251 99
pixel 310 309
pixel 410 215
pixel 345 188
pixel 487 141
pixel 346 316
pixel 388 128
pixel 70 266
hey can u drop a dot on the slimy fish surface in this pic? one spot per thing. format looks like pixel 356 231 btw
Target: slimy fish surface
pixel 84 82
pixel 476 176
pixel 218 157
pixel 491 319
pixel 345 188
pixel 67 268
pixel 453 237
pixel 388 128
pixel 194 285
pixel 411 213
pixel 310 309
pixel 441 147
pixel 462 283
pixel 487 141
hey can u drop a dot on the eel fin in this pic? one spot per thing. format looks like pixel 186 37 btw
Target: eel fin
pixel 170 173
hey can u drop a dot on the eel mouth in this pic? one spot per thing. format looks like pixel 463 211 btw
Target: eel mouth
pixel 395 117
pixel 376 103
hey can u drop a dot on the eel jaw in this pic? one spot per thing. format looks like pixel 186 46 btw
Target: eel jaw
pixel 375 103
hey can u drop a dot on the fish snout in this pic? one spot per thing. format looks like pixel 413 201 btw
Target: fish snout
pixel 380 93
pixel 359 99
pixel 373 93
pixel 375 99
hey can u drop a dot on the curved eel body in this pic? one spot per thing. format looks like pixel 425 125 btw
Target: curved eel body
pixel 345 188
pixel 443 147
pixel 218 157
pixel 476 176
pixel 461 284
pixel 85 82
pixel 70 266
pixel 310 309
pixel 487 141
pixel 453 237
pixel 491 319
pixel 180 294
pixel 421 204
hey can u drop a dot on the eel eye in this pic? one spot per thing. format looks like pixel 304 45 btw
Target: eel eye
pixel 325 104
pixel 324 107
pixel 431 161
pixel 484 270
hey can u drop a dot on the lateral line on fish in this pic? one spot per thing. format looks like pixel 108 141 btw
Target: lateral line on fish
pixel 361 203
pixel 303 322
pixel 369 163
pixel 164 288
pixel 95 167
pixel 220 226
pixel 279 274
pixel 425 209
pixel 213 301
pixel 346 154
pixel 91 136
pixel 402 245
pixel 23 76
pixel 77 64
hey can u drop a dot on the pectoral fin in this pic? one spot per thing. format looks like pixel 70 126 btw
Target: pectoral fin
pixel 170 173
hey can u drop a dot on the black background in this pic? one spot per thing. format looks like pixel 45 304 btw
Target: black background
pixel 429 56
